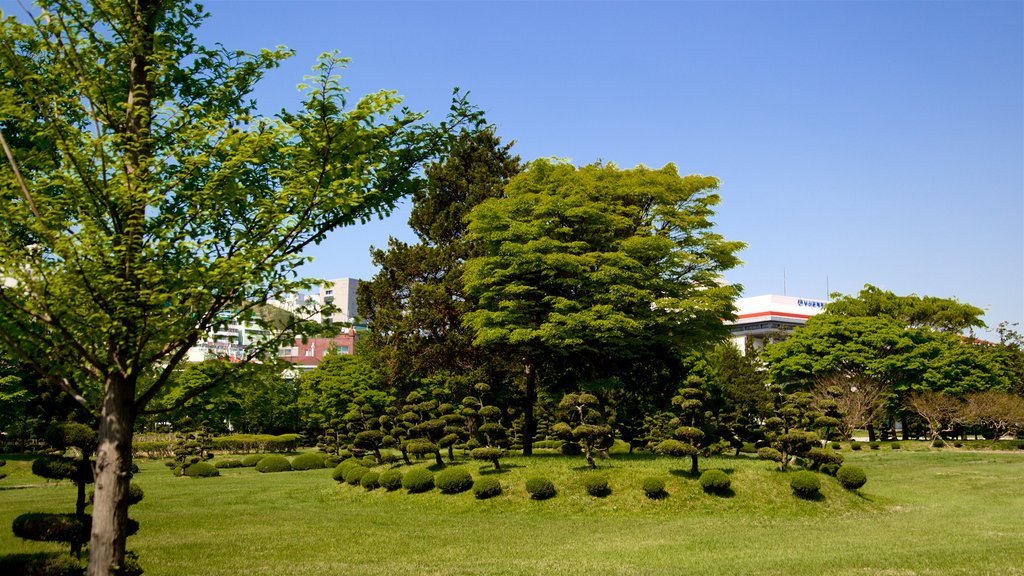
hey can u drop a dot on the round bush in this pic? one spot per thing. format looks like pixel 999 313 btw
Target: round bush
pixel 837 446
pixel 390 480
pixel 540 488
pixel 896 446
pixel 874 445
pixel 418 480
pixel 453 481
pixel 201 470
pixel 355 473
pixel 938 443
pixel 854 445
pixel 769 453
pixel 596 485
pixel 308 461
pixel 486 487
pixel 274 463
pixel 370 480
pixel 42 527
pixel 654 488
pixel 851 477
pixel 805 484
pixel 251 460
pixel 715 482
pixel 338 474
pixel 331 461
pixel 829 469
pixel 228 464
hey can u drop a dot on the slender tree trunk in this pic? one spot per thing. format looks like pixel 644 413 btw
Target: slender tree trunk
pixel 906 428
pixel 693 465
pixel 113 473
pixel 529 418
pixel 437 458
pixel 871 432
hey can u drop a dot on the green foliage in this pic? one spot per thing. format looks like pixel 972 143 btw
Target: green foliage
pixel 540 488
pixel 486 487
pixel 596 485
pixel 256 442
pixel 769 453
pixel 654 487
pixel 354 474
pixel 370 480
pixel 230 463
pixel 675 448
pixel 274 463
pixel 895 445
pixel 805 484
pixel 938 442
pixel 418 480
pixel 874 445
pixel 851 477
pixel 41 564
pixel 822 456
pixel 390 480
pixel 837 446
pixel 715 481
pixel 58 468
pixel 453 480
pixel 42 527
pixel 252 460
pixel 308 461
pixel 491 455
pixel 203 470
pixel 855 445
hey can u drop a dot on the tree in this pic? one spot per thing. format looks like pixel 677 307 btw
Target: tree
pixel 327 391
pixel 587 268
pixel 857 397
pixel 585 423
pixel 929 312
pixel 692 427
pixel 942 413
pixel 746 400
pixel 999 413
pixel 155 200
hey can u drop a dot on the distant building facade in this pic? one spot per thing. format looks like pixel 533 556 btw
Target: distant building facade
pixel 307 354
pixel 759 319
pixel 339 293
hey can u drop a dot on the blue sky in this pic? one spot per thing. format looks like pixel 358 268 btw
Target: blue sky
pixel 856 142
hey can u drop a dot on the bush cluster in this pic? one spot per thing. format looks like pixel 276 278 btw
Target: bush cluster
pixel 486 487
pixel 851 477
pixel 390 480
pixel 654 488
pixel 370 480
pixel 805 484
pixel 453 480
pixel 228 464
pixel 540 488
pixel 257 442
pixel 274 463
pixel 715 482
pixel 354 473
pixel 201 470
pixel 596 485
pixel 418 480
pixel 308 461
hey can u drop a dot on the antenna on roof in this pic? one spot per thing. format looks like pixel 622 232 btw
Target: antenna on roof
pixel 784 293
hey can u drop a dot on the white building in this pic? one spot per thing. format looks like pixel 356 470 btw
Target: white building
pixel 760 318
pixel 341 294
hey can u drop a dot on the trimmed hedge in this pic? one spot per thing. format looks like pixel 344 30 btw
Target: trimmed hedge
pixel 596 485
pixel 370 480
pixel 805 484
pixel 228 464
pixel 654 488
pixel 201 470
pixel 418 480
pixel 486 487
pixel 355 473
pixel 257 442
pixel 41 564
pixel 715 482
pixel 769 453
pixel 308 461
pixel 540 488
pixel 251 460
pixel 851 477
pixel 274 463
pixel 453 480
pixel 390 480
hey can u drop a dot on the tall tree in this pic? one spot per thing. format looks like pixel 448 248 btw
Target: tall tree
pixel 164 201
pixel 589 267
pixel 912 311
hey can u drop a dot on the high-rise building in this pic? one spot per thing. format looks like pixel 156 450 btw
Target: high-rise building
pixel 340 294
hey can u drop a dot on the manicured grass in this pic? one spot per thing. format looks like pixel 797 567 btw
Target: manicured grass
pixel 927 512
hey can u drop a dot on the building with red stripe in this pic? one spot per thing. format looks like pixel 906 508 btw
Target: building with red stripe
pixel 759 319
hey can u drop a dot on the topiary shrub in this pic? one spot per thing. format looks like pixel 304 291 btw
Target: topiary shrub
pixel 938 443
pixel 822 456
pixel 654 488
pixel 42 527
pixel 390 480
pixel 418 480
pixel 855 446
pixel 596 485
pixel 228 464
pixel 274 463
pixel 41 564
pixel 851 477
pixel 769 453
pixel 331 461
pixel 201 470
pixel 486 487
pixel 370 480
pixel 837 446
pixel 715 482
pixel 308 461
pixel 453 481
pixel 488 454
pixel 389 458
pixel 829 469
pixel 896 446
pixel 805 484
pixel 540 488
pixel 355 473
pixel 874 445
pixel 251 460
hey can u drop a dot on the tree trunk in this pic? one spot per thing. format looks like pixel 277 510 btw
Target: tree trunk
pixel 113 474
pixel 437 458
pixel 871 432
pixel 906 428
pixel 693 465
pixel 529 418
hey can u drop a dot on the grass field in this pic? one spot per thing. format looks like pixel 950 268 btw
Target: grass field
pixel 922 512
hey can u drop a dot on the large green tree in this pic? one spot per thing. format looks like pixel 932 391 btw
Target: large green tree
pixel 146 198
pixel 912 311
pixel 590 267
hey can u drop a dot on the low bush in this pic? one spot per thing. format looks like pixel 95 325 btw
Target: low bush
pixel 228 464
pixel 355 473
pixel 855 446
pixel 308 461
pixel 274 463
pixel 715 482
pixel 548 444
pixel 654 487
pixel 829 469
pixel 368 461
pixel 43 527
pixel 389 458
pixel 486 487
pixel 338 474
pixel 201 470
pixel 874 445
pixel 769 453
pixel 370 480
pixel 596 485
pixel 540 488
pixel 805 484
pixel 453 481
pixel 390 480
pixel 837 446
pixel 851 477
pixel 938 443
pixel 896 446
pixel 41 564
pixel 251 460
pixel 418 480
pixel 822 456
pixel 331 461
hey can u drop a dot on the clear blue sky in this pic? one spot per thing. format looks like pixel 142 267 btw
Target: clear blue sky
pixel 856 142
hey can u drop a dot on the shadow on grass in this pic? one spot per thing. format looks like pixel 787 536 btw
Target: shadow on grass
pixel 684 474
pixel 727 493
pixel 816 497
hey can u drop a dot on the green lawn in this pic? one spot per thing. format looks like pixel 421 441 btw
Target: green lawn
pixel 921 512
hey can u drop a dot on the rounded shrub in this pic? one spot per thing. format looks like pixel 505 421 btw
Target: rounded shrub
pixel 201 470
pixel 274 463
pixel 41 564
pixel 822 456
pixel 308 461
pixel 338 474
pixel 368 461
pixel 837 446
pixel 830 469
pixel 389 458
pixel 228 464
pixel 938 443
pixel 715 482
pixel 355 473
pixel 896 446
pixel 251 460
pixel 851 477
pixel 390 480
pixel 418 480
pixel 769 453
pixel 596 485
pixel 540 488
pixel 486 487
pixel 805 484
pixel 370 480
pixel 874 445
pixel 855 446
pixel 453 480
pixel 42 527
pixel 654 487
